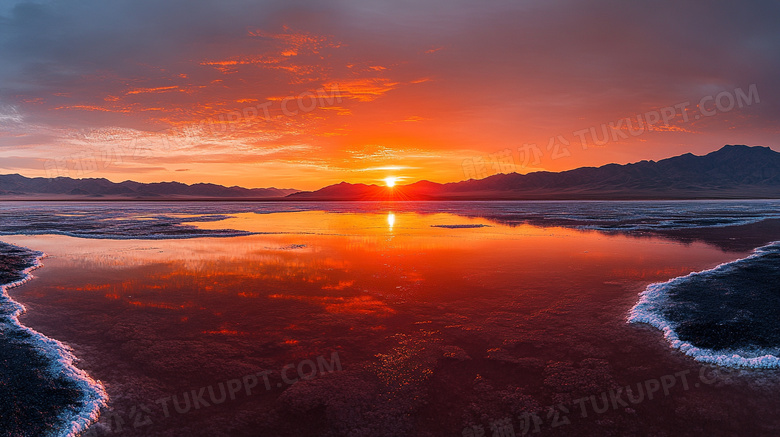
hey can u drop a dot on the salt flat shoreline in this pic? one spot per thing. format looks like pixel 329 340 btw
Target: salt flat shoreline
pixel 84 409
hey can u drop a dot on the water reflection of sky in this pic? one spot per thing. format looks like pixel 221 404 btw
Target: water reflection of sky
pixel 389 290
pixel 367 266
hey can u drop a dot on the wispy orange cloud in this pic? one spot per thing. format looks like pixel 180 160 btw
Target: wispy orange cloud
pixel 365 90
pixel 160 89
pixel 286 46
pixel 92 108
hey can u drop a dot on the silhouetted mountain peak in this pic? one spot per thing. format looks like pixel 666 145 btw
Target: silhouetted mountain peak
pixel 733 171
pixel 18 185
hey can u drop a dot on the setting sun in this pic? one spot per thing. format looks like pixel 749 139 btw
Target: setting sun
pixel 390 181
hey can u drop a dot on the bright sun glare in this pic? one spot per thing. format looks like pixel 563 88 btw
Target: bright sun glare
pixel 390 181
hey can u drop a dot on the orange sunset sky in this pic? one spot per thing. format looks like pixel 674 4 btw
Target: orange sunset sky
pixel 296 94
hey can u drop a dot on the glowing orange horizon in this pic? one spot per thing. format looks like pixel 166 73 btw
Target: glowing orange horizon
pixel 289 106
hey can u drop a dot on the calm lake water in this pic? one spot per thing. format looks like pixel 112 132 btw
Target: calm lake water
pixel 429 319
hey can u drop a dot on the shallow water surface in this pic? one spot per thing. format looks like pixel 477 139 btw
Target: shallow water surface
pixel 408 322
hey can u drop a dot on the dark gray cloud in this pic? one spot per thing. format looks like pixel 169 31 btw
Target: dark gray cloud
pixel 572 48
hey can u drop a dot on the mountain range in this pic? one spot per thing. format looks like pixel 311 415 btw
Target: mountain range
pixel 732 172
pixel 736 172
pixel 16 186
